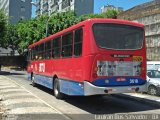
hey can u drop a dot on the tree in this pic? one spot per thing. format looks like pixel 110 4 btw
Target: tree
pixel 31 31
pixel 11 38
pixel 60 21
pixel 3 27
pixel 111 13
pixel 20 36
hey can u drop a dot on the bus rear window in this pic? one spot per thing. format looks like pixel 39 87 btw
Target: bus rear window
pixel 118 36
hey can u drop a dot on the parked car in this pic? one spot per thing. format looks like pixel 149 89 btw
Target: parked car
pixel 153 82
pixel 153 65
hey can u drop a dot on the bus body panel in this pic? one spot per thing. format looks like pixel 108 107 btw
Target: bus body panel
pixel 78 75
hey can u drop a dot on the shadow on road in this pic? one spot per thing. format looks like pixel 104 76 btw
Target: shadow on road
pixel 108 104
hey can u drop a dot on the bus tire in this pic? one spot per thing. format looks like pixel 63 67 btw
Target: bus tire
pixel 56 89
pixel 32 80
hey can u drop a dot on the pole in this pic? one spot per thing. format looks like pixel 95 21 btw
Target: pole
pixel 47 27
pixel 47 21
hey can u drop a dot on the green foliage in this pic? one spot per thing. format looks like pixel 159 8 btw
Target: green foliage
pixel 3 27
pixel 111 14
pixel 11 38
pixel 24 33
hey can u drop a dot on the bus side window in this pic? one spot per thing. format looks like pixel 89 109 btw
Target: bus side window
pixel 41 51
pixel 67 45
pixel 35 56
pixel 56 47
pixel 29 55
pixel 48 50
pixel 78 42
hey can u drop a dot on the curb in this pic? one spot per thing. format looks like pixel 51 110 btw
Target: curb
pixel 150 102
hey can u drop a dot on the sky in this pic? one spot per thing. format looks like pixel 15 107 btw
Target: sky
pixel 125 4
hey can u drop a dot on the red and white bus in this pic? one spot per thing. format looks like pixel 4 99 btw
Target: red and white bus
pixel 96 56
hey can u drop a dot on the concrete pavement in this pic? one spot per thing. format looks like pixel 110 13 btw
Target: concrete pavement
pixel 21 104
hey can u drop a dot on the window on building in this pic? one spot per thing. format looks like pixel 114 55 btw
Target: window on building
pixel 78 42
pixel 67 45
pixel 48 50
pixel 56 47
pixel 22 9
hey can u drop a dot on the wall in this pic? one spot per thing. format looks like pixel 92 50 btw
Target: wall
pixel 84 7
pixel 13 61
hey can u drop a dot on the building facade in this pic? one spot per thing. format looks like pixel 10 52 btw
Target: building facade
pixel 149 15
pixel 53 6
pixel 110 7
pixel 16 9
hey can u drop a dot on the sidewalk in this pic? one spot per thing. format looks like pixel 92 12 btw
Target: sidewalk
pixel 21 104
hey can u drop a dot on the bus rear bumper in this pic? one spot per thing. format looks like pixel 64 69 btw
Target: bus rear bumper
pixel 90 89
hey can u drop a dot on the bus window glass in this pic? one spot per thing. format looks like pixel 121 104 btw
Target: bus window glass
pixel 117 36
pixel 36 52
pixel 67 45
pixel 41 51
pixel 78 42
pixel 29 55
pixel 32 56
pixel 56 47
pixel 48 50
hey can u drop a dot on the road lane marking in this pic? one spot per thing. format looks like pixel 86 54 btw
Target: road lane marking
pixel 19 96
pixel 12 90
pixel 20 100
pixel 32 110
pixel 6 87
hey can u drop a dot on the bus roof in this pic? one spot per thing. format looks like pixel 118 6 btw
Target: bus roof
pixel 93 20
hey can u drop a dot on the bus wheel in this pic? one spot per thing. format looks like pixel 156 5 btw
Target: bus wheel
pixel 32 80
pixel 56 89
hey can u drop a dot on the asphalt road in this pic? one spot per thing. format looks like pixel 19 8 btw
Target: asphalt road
pixel 85 107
